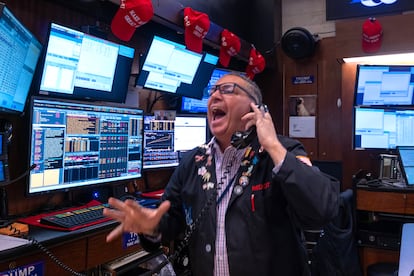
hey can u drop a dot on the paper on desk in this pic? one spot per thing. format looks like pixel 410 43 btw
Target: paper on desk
pixel 8 242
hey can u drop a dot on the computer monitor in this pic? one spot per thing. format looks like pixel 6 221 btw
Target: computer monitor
pixel 19 55
pixel 80 66
pixel 190 131
pixel 79 144
pixel 159 143
pixel 171 68
pixel 382 128
pixel 386 85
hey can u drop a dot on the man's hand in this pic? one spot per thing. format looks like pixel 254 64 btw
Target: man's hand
pixel 133 217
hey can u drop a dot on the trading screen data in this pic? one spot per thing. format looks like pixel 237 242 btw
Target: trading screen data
pixel 159 143
pixel 80 144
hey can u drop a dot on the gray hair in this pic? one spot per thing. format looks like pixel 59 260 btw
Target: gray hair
pixel 251 86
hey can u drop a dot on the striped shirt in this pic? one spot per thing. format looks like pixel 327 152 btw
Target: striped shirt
pixel 227 165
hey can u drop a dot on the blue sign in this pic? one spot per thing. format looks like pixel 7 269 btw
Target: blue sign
pixel 129 239
pixel 340 9
pixel 302 79
pixel 35 269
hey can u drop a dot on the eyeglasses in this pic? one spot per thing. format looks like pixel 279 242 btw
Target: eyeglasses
pixel 228 88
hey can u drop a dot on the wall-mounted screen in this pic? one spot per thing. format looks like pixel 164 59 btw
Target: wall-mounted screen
pixel 19 55
pixel 79 144
pixel 199 106
pixel 80 66
pixel 387 85
pixel 170 67
pixel 383 128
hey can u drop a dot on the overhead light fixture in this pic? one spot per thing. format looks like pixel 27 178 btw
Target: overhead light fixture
pixel 405 58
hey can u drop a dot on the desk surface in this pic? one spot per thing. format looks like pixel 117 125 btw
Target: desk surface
pixel 53 237
pixel 406 264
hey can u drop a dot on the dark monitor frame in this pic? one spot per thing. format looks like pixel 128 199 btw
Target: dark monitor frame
pixel 169 75
pixel 20 71
pixel 381 93
pixel 381 127
pixel 87 147
pixel 83 90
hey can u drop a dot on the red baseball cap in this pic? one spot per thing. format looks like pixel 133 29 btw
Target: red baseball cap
pixel 371 35
pixel 131 15
pixel 230 46
pixel 196 25
pixel 256 64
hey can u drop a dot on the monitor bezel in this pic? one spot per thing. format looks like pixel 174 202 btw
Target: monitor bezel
pixel 102 182
pixel 393 109
pixel 186 90
pixel 26 94
pixel 357 78
pixel 120 84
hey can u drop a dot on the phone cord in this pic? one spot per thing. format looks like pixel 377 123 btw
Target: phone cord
pixel 45 250
pixel 187 235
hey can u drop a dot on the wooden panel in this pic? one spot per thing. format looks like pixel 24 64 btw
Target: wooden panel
pixel 329 130
pixel 348 35
pixel 381 201
pixel 370 256
pixel 300 69
pixel 99 251
pixel 72 254
pixel 409 206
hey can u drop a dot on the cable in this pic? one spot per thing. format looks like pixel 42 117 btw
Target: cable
pixel 19 177
pixel 196 223
pixel 45 250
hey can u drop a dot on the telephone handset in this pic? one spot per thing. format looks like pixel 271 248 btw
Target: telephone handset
pixel 241 139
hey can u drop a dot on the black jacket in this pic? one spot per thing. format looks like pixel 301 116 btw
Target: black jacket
pixel 260 238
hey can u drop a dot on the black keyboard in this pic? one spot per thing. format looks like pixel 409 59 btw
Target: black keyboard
pixel 76 218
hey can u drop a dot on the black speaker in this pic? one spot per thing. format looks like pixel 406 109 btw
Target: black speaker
pixel 298 43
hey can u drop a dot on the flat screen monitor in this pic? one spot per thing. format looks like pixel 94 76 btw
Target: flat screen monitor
pixel 382 128
pixel 79 66
pixel 19 55
pixel 79 144
pixel 199 106
pixel 159 143
pixel 170 67
pixel 384 85
pixel 190 131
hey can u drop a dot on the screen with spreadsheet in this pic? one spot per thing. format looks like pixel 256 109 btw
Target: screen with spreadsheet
pixel 78 144
pixel 386 85
pixel 383 128
pixel 19 55
pixel 80 66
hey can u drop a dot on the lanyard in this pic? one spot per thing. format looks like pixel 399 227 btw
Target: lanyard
pixel 226 190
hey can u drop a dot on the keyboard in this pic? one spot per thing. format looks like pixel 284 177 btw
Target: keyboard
pixel 76 218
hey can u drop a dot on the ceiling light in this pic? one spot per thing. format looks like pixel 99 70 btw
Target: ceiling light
pixel 405 58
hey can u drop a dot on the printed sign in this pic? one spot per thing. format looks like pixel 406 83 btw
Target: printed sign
pixel 35 269
pixel 302 79
pixel 129 239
